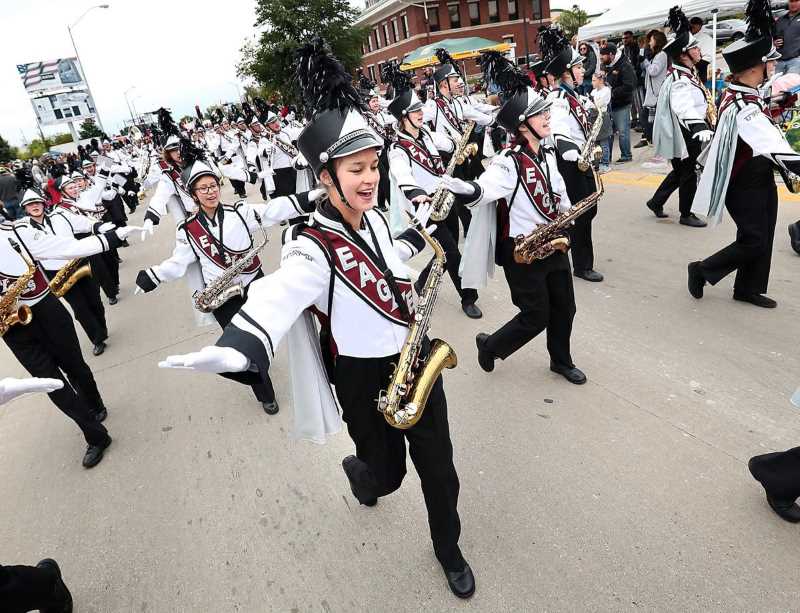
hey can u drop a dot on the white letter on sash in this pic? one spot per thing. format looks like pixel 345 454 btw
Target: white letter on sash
pixel 346 258
pixel 366 274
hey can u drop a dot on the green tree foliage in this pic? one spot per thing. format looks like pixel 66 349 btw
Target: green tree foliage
pixel 286 24
pixel 89 129
pixel 573 19
pixel 7 152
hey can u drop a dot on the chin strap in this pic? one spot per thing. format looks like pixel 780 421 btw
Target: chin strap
pixel 533 131
pixel 338 187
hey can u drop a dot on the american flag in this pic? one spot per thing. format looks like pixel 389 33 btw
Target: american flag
pixel 35 73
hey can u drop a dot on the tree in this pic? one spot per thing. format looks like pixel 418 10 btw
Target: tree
pixel 573 19
pixel 286 25
pixel 89 129
pixel 7 152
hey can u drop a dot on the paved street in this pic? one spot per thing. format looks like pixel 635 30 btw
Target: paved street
pixel 630 492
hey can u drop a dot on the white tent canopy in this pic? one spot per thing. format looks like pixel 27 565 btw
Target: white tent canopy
pixel 638 15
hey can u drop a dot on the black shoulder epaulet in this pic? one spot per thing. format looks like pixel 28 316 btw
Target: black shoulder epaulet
pixel 238 203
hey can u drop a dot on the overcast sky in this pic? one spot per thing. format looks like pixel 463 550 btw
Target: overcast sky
pixel 177 53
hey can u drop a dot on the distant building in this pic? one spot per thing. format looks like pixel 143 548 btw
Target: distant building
pixel 398 27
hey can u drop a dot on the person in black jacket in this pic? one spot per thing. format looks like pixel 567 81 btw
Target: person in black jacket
pixel 621 78
pixel 590 64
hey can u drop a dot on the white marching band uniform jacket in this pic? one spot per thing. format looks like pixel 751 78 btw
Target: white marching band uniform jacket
pixel 569 120
pixel 64 223
pixel 682 105
pixel 447 116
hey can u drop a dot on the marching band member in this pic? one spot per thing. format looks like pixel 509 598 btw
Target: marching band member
pixel 683 122
pixel 528 189
pixel 216 237
pixel 346 266
pixel 384 124
pixel 570 126
pixel 48 345
pixel 747 148
pixel 416 168
pixel 281 157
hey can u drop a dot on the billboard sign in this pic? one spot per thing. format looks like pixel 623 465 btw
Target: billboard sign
pixel 56 109
pixel 65 73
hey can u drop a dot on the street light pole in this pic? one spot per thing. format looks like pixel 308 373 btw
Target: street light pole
pixel 125 95
pixel 83 67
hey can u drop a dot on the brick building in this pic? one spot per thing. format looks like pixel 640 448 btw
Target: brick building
pixel 397 27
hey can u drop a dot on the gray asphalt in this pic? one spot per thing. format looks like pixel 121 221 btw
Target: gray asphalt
pixel 630 492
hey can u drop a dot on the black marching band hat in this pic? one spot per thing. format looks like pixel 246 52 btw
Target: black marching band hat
pixel 557 52
pixel 682 39
pixel 538 68
pixel 334 108
pixel 757 46
pixel 405 98
pixel 521 101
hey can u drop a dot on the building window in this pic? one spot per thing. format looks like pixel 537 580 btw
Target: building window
pixel 404 22
pixel 380 69
pixel 455 17
pixel 494 14
pixel 395 31
pixel 537 9
pixel 512 10
pixel 377 39
pixel 369 43
pixel 433 18
pixel 474 13
pixel 386 34
pixel 371 71
pixel 508 39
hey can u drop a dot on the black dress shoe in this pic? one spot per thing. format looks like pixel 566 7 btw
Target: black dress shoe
pixel 461 582
pixel 99 348
pixel 623 160
pixel 794 236
pixel 759 300
pixel 696 280
pixel 485 357
pixel 351 464
pixel 61 599
pixel 589 275
pixel 94 453
pixel 570 373
pixel 641 143
pixel 113 300
pixel 657 210
pixel 693 221
pixel 785 509
pixel 471 310
pixel 270 408
pixel 101 415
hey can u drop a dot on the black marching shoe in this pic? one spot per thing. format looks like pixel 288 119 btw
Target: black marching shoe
pixel 759 300
pixel 94 454
pixel 570 373
pixel 485 357
pixel 99 348
pixel 101 414
pixel 471 310
pixel 461 582
pixel 589 275
pixel 794 236
pixel 693 221
pixel 350 464
pixel 696 280
pixel 785 509
pixel 270 408
pixel 658 211
pixel 113 300
pixel 61 598
pixel 641 143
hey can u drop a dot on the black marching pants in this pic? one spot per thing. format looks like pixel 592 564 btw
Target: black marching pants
pixel 238 188
pixel 543 293
pixel 27 588
pixel 447 235
pixel 105 270
pixel 85 302
pixel 682 177
pixel 264 392
pixel 779 473
pixel 579 186
pixel 382 449
pixel 755 213
pixel 48 347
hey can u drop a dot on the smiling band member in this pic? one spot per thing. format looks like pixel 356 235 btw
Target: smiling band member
pixel 345 265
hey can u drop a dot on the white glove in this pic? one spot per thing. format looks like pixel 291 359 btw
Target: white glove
pixel 108 194
pixel 570 156
pixel 106 227
pixel 118 169
pixel 704 136
pixel 124 233
pixel 316 194
pixel 423 214
pixel 209 359
pixel 14 388
pixel 138 290
pixel 457 186
pixel 147 228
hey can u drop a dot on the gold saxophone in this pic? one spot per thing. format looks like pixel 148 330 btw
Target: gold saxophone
pixel 548 238
pixel 68 275
pixel 442 200
pixel 591 152
pixel 11 312
pixel 404 399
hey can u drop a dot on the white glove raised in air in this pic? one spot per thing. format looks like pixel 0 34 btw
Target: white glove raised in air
pixel 704 136
pixel 11 388
pixel 570 156
pixel 124 233
pixel 147 228
pixel 209 359
pixel 457 186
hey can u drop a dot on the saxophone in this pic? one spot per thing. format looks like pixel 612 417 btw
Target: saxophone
pixel 72 272
pixel 11 312
pixel 591 152
pixel 223 288
pixel 404 399
pixel 442 200
pixel 548 238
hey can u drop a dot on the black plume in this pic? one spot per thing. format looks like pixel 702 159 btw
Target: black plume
pixel 25 180
pixel 247 111
pixel 322 81
pixel 190 153
pixel 198 112
pixel 262 108
pixel 166 124
pixel 365 84
pixel 398 79
pixel 218 115
pixel 498 69
pixel 551 42
pixel 444 57
pixel 677 20
pixel 760 22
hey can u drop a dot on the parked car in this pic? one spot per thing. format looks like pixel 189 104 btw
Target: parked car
pixel 727 29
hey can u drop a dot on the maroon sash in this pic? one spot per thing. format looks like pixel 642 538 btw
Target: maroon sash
pixel 444 107
pixel 169 170
pixel 362 275
pixel 578 112
pixel 422 156
pixel 37 287
pixel 209 245
pixel 534 181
